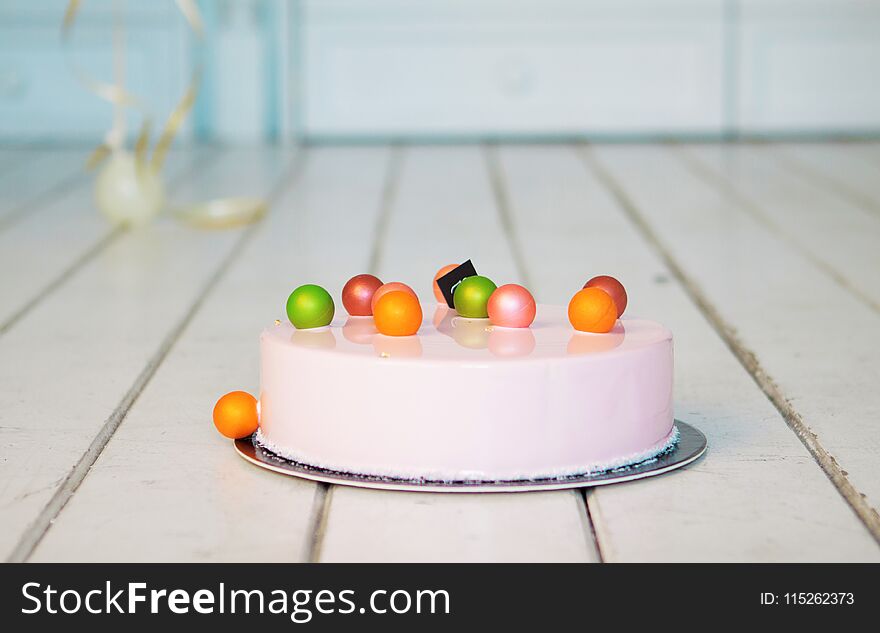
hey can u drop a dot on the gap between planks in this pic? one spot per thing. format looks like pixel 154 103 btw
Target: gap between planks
pixel 732 192
pixel 91 253
pixel 320 510
pixel 746 357
pixel 502 205
pixel 317 526
pixel 42 199
pixel 586 496
pixel 831 183
pixel 498 184
pixel 386 201
pixel 44 520
pixel 321 504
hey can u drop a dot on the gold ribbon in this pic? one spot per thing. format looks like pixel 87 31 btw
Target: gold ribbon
pixel 216 213
pixel 223 213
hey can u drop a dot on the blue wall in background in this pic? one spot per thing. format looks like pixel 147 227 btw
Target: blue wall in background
pixel 240 58
pixel 42 101
pixel 454 69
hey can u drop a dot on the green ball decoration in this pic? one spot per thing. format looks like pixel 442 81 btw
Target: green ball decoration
pixel 471 296
pixel 310 306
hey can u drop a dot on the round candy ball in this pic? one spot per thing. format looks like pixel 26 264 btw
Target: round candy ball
pixel 511 305
pixel 391 286
pixel 398 313
pixel 471 296
pixel 592 310
pixel 437 292
pixel 236 415
pixel 310 306
pixel 357 294
pixel 613 288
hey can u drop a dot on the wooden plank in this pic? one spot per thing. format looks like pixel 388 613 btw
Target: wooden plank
pixel 8 157
pixel 443 211
pixel 71 368
pixel 29 178
pixel 848 169
pixel 43 248
pixel 757 495
pixel 372 526
pixel 167 481
pixel 867 151
pixel 808 343
pixel 839 237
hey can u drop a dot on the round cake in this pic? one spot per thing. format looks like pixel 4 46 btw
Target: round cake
pixel 466 400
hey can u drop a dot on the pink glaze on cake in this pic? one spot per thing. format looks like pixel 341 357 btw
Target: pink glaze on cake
pixel 467 400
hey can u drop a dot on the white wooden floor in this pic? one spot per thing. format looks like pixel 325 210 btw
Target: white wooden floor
pixel 764 260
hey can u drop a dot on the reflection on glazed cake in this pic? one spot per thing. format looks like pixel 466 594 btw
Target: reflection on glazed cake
pixel 589 343
pixel 523 403
pixel 476 335
pixel 317 338
pixel 359 330
pixel 397 346
pixel 511 342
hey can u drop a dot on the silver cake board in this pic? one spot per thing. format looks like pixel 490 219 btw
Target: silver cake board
pixel 690 446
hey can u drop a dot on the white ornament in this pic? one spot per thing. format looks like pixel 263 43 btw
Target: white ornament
pixel 128 193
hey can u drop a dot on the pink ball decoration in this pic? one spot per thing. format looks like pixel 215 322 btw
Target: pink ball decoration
pixel 511 305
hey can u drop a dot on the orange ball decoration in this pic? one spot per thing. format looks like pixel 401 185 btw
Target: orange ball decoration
pixel 398 313
pixel 592 310
pixel 612 287
pixel 235 415
pixel 385 289
pixel 437 292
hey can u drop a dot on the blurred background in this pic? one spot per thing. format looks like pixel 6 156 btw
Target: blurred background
pixel 453 69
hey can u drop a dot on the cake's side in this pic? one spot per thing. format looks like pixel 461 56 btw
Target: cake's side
pixel 645 455
pixel 459 416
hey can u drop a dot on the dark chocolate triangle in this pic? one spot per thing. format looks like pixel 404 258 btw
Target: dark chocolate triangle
pixel 450 280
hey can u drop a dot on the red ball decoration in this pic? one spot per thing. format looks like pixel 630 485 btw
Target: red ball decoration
pixel 612 287
pixel 357 294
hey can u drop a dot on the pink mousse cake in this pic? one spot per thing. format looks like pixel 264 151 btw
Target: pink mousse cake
pixel 465 400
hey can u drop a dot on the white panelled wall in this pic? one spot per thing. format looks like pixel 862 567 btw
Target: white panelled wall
pixel 383 69
pixel 493 66
pixel 589 67
pixel 808 65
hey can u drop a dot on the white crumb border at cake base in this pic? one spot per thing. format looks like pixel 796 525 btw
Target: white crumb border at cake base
pixel 645 456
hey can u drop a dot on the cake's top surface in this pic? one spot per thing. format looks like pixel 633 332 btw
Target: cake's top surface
pixel 445 335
